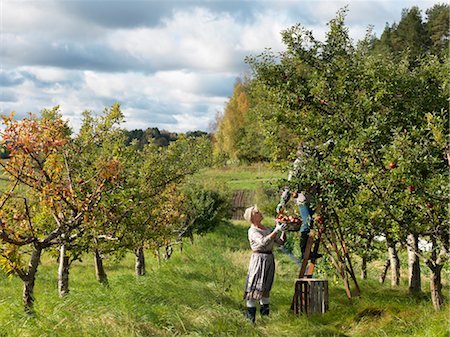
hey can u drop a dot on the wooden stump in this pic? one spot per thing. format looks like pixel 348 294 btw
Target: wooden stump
pixel 311 296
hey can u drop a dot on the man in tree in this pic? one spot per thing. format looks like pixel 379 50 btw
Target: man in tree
pixel 303 198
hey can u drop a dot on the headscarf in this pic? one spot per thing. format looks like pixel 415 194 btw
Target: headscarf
pixel 249 212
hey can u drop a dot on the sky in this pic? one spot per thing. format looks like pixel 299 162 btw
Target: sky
pixel 170 64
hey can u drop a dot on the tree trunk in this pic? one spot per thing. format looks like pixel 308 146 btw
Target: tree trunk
pixel 99 270
pixel 29 280
pixel 140 261
pixel 63 272
pixel 414 264
pixel 168 250
pixel 435 264
pixel 386 266
pixel 158 256
pixel 364 268
pixel 436 287
pixel 395 264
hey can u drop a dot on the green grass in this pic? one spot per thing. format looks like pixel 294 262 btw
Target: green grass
pixel 243 177
pixel 199 293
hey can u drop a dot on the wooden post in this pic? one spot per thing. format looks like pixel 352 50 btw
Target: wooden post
pixel 311 296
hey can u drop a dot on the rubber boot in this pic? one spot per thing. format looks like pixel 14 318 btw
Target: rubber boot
pixel 251 314
pixel 264 309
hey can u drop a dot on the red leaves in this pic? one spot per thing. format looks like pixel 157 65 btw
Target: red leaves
pixel 33 136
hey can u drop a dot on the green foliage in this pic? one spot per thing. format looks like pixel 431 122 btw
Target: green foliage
pixel 385 116
pixel 415 35
pixel 157 137
pixel 158 206
pixel 91 192
pixel 237 137
pixel 438 28
pixel 205 207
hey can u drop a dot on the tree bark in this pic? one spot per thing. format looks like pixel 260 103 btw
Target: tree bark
pixel 395 263
pixel 386 266
pixel 63 271
pixel 99 270
pixel 158 256
pixel 168 250
pixel 140 261
pixel 415 285
pixel 436 287
pixel 435 264
pixel 29 280
pixel 364 268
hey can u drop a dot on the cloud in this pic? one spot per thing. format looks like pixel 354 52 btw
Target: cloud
pixel 8 96
pixel 171 64
pixel 10 78
pixel 135 14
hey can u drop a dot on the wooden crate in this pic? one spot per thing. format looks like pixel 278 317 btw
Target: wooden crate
pixel 311 296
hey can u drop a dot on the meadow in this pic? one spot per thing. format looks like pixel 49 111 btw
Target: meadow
pixel 198 292
pixel 243 177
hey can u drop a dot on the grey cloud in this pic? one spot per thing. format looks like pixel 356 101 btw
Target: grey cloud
pixel 221 86
pixel 151 118
pixel 97 56
pixel 8 96
pixel 10 78
pixel 141 103
pixel 94 55
pixel 117 14
pixel 132 14
pixel 149 109
pixel 71 80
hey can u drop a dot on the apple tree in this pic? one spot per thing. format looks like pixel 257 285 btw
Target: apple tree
pixel 51 206
pixel 386 119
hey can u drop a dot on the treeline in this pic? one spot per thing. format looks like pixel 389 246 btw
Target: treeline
pixel 90 193
pixel 157 137
pixel 384 103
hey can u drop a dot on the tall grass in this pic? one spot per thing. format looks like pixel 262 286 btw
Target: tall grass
pixel 244 176
pixel 198 292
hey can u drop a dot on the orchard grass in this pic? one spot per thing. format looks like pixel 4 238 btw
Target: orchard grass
pixel 237 177
pixel 198 292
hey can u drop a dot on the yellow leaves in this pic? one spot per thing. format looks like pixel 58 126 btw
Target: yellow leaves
pixel 54 166
pixel 10 259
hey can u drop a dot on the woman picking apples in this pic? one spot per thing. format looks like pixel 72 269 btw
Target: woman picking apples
pixel 261 269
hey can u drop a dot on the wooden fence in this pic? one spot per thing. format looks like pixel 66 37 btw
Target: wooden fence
pixel 241 200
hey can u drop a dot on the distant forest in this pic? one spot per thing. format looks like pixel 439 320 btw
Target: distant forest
pixel 158 137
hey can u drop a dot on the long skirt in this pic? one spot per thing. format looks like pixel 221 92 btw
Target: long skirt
pixel 261 271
